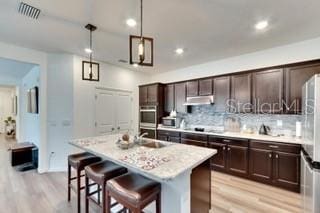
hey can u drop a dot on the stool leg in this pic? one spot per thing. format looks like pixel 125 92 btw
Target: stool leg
pixel 79 190
pixel 69 182
pixel 87 190
pixel 107 201
pixel 158 203
pixel 98 188
pixel 104 198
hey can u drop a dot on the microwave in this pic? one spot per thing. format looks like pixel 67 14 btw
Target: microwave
pixel 171 122
pixel 148 116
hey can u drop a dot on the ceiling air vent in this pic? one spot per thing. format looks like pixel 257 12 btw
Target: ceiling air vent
pixel 29 10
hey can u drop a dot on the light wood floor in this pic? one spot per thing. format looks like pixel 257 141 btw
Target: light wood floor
pixel 30 192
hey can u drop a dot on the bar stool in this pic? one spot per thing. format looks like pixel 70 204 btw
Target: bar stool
pixel 100 172
pixel 134 192
pixel 78 162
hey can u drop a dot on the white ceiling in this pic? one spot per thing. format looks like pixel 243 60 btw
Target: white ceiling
pixel 14 69
pixel 207 29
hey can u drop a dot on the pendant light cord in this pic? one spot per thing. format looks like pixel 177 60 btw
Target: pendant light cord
pixel 91 49
pixel 141 18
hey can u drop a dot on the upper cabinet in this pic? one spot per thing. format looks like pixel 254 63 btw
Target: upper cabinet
pixel 295 78
pixel 268 91
pixel 151 94
pixel 221 90
pixel 169 98
pixel 205 86
pixel 241 93
pixel 192 88
pixel 180 97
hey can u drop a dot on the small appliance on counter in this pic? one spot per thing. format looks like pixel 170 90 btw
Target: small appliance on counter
pixel 169 121
pixel 264 130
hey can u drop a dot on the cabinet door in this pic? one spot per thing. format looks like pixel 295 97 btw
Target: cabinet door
pixel 295 78
pixel 237 160
pixel 260 165
pixel 205 87
pixel 169 98
pixel 241 93
pixel 221 91
pixel 268 91
pixel 193 142
pixel 143 95
pixel 180 97
pixel 287 170
pixel 153 94
pixel 218 161
pixel 192 88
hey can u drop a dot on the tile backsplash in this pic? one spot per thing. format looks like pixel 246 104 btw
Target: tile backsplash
pixel 205 116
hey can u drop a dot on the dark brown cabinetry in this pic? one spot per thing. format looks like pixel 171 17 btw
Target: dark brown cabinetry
pixel 205 87
pixel 192 88
pixel 170 136
pixel 169 98
pixel 268 91
pixel 241 93
pixel 151 94
pixel 276 164
pixel 295 78
pixel 232 156
pixel 221 90
pixel 180 97
pixel 194 139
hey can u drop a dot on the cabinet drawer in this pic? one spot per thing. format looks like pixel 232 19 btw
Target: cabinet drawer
pixel 193 142
pixel 274 146
pixel 169 133
pixel 194 136
pixel 229 141
pixel 174 139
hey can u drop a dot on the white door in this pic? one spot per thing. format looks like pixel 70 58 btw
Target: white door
pixel 104 116
pixel 124 112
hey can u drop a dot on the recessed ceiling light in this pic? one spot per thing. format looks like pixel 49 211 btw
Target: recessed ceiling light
pixel 261 25
pixel 131 22
pixel 179 51
pixel 88 50
pixel 135 65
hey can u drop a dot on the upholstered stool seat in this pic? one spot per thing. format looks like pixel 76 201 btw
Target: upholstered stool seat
pixel 78 162
pixel 99 173
pixel 134 191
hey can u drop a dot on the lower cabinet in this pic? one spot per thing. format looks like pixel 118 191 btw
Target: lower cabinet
pixel 237 160
pixel 261 165
pixel 169 136
pixel 194 139
pixel 218 162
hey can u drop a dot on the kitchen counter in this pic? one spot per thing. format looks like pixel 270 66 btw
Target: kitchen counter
pixel 258 137
pixel 176 166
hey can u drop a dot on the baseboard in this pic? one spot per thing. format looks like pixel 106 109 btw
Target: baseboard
pixel 57 169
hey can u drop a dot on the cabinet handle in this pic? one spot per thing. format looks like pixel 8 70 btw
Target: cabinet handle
pixel 112 129
pixel 224 148
pixel 270 155
pixel 227 141
pixel 118 127
pixel 272 146
pixel 277 156
pixel 228 149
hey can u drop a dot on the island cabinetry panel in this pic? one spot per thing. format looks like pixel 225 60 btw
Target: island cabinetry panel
pixel 169 98
pixel 205 87
pixel 180 97
pixel 268 91
pixel 275 163
pixel 221 90
pixel 192 88
pixel 194 139
pixel 295 78
pixel 241 93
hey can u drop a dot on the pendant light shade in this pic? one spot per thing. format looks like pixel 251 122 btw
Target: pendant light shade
pixel 141 48
pixel 90 70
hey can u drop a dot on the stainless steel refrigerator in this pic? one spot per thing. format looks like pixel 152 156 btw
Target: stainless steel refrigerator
pixel 310 154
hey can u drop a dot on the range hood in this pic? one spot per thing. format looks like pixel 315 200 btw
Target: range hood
pixel 199 100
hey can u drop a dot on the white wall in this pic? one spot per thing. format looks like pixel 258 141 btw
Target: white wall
pixel 110 77
pixel 60 109
pixel 6 95
pixel 17 53
pixel 29 122
pixel 297 52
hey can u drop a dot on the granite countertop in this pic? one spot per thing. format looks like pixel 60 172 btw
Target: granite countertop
pixel 175 159
pixel 280 139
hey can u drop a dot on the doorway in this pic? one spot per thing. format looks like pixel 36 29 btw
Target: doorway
pixel 113 111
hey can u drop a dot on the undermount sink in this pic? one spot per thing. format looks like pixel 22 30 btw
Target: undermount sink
pixel 153 144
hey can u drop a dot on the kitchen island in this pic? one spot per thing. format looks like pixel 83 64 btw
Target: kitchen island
pixel 183 170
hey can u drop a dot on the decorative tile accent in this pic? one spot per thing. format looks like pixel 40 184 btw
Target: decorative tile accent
pixel 205 116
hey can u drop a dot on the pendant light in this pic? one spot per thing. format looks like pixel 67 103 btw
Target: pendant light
pixel 141 48
pixel 90 70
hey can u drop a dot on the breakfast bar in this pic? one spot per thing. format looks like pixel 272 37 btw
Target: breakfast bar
pixel 182 170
